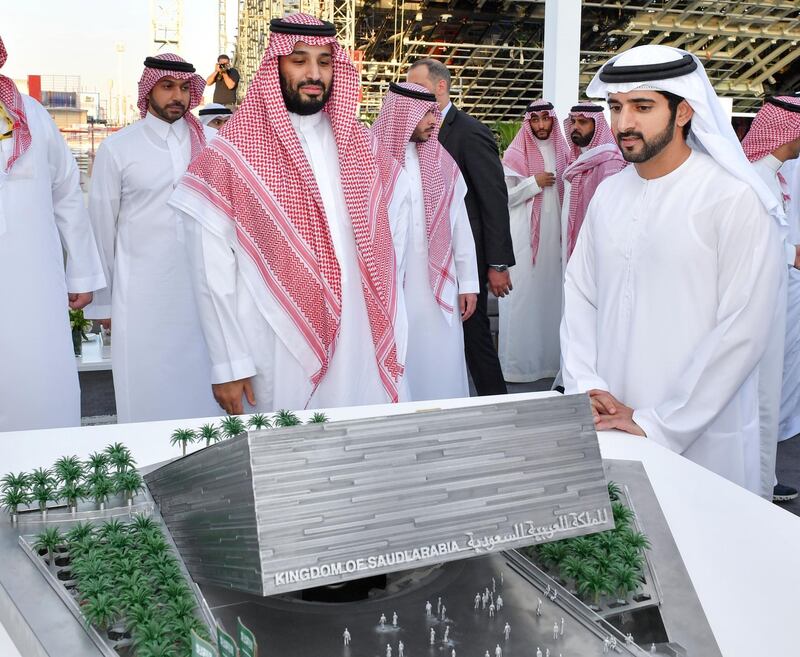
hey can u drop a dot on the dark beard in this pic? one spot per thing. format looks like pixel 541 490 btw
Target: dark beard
pixel 581 141
pixel 162 111
pixel 296 104
pixel 651 148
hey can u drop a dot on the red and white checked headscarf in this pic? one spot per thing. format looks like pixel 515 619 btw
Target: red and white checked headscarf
pixel 524 159
pixel 602 131
pixel 399 116
pixel 588 168
pixel 150 76
pixel 12 101
pixel 776 123
pixel 256 173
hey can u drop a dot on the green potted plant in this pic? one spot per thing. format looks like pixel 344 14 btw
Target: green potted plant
pixel 72 491
pixel 318 418
pixel 100 487
pixel 68 469
pixel 284 418
pixel 97 462
pixel 20 481
pixel 100 610
pixel 43 489
pixel 209 433
pixel 128 484
pixel 80 327
pixel 625 580
pixel 49 540
pixel 12 499
pixel 120 457
pixel 182 437
pixel 258 421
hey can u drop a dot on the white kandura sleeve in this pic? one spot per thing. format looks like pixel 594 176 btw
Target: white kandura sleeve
pixel 214 278
pixel 749 276
pixel 465 258
pixel 579 346
pixel 105 194
pixel 521 190
pixel 84 270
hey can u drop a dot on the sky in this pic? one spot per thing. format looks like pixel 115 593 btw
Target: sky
pixel 79 37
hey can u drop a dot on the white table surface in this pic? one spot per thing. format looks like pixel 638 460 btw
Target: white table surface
pixel 742 552
pixel 90 359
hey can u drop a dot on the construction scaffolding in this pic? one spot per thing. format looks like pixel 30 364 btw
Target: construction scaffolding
pixel 494 49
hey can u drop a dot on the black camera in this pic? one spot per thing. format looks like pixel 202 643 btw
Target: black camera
pixel 222 66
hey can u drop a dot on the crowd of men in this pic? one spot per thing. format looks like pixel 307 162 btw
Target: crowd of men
pixel 298 259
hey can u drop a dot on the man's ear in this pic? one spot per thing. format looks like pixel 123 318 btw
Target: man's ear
pixel 684 114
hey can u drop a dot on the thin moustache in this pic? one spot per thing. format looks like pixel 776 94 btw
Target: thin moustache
pixel 623 135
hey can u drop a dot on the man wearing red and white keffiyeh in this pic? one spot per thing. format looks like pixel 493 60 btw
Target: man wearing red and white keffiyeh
pixel 293 212
pixel 42 219
pixel 534 166
pixel 441 281
pixel 159 359
pixel 774 138
pixel 594 157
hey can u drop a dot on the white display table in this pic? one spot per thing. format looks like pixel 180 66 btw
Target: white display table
pixel 90 359
pixel 742 552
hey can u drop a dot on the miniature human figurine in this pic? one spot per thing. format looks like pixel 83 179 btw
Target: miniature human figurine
pixel 498 651
pixel 346 637
pixel 484 599
pixel 394 619
pixel 428 608
pixel 446 634
pixel 433 636
pixel 606 644
pixel 487 654
pixel 629 639
pixel 383 621
pixel 539 608
pixel 477 600
pixel 561 633
pixel 400 648
pixel 555 595
pixel 491 596
pixel 494 586
pixel 439 606
pixel 491 610
pixel 501 578
pixel 547 653
pixel 652 648
pixel 555 630
pixel 547 591
pixel 453 653
pixel 444 612
pixel 507 631
pixel 613 643
pixel 499 602
pixel 388 650
pixel 538 651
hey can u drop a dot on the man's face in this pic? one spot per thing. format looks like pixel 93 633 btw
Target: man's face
pixel 169 98
pixel 306 78
pixel 794 149
pixel 541 125
pixel 642 123
pixel 224 62
pixel 218 122
pixel 581 130
pixel 424 129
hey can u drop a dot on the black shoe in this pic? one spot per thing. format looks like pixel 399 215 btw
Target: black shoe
pixel 782 493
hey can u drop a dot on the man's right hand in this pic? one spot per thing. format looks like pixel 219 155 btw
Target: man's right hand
pixel 229 395
pixel 545 179
pixel 105 323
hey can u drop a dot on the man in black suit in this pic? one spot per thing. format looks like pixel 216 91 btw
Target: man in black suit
pixel 474 149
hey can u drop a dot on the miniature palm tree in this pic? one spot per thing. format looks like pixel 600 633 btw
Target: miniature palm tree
pixel 583 547
pixel 161 647
pixel 80 531
pixel 112 527
pixel 101 487
pixel 231 425
pixel 100 610
pixel 285 418
pixel 209 433
pixel 149 631
pixel 636 540
pixel 631 556
pixel 129 483
pixel 12 499
pixel 138 612
pixel 613 491
pixel 92 587
pixel 49 540
pixel 44 493
pixel 68 469
pixel 594 583
pixel 572 568
pixel 622 515
pixel 97 462
pixel 318 418
pixel 120 457
pixel 259 421
pixel 608 542
pixel 19 481
pixel 624 580
pixel 71 491
pixel 182 437
pixel 142 524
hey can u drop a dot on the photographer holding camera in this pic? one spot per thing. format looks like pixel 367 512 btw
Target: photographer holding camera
pixel 225 80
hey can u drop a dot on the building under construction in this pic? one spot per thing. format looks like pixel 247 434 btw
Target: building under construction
pixel 495 49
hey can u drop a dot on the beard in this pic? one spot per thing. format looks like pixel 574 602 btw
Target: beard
pixel 295 102
pixel 542 134
pixel 649 148
pixel 580 140
pixel 163 111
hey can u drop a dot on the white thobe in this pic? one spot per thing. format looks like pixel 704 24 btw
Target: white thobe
pixel 565 217
pixel 159 358
pixel 790 394
pixel 248 333
pixel 435 366
pixel 783 403
pixel 528 342
pixel 668 299
pixel 42 217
